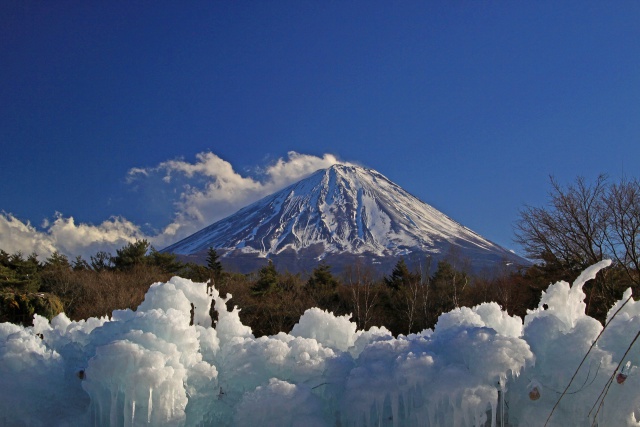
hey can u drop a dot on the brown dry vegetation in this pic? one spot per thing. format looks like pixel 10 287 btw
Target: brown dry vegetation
pixel 582 224
pixel 270 301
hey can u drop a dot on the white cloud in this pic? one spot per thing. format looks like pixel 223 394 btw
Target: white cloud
pixel 81 239
pixel 207 190
pixel 18 236
pixel 297 166
pixel 215 190
pixel 67 237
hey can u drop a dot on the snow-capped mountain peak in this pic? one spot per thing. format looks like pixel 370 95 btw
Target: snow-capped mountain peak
pixel 342 209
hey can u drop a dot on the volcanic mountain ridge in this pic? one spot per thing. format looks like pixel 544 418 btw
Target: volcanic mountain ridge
pixel 339 215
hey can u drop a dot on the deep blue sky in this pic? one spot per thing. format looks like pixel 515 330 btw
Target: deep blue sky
pixel 470 106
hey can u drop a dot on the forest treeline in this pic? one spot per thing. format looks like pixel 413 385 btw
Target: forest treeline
pixel 404 301
pixel 583 223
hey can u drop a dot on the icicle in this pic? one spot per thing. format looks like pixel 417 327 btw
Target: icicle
pixel 113 415
pixel 494 415
pixel 406 398
pixel 150 406
pixel 394 408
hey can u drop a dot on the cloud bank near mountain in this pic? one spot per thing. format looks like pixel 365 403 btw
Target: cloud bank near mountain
pixel 203 191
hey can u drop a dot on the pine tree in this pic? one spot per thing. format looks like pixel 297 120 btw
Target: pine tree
pixel 167 262
pixel 101 261
pixel 131 254
pixel 267 280
pixel 214 264
pixel 4 258
pixel 79 264
pixel 57 261
pixel 322 279
pixel 448 286
pixel 400 276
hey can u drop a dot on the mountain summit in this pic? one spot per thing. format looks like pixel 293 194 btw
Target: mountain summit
pixel 343 210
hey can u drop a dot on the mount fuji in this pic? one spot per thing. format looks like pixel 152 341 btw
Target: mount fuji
pixel 338 215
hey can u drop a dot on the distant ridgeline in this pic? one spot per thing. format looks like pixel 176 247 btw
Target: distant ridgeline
pixel 341 216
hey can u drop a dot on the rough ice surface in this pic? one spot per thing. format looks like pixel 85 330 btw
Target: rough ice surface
pixel 167 363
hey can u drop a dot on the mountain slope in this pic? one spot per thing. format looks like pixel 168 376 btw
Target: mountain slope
pixel 341 210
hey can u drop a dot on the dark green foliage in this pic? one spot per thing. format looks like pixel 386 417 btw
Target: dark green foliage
pixel 400 276
pixel 20 307
pixel 4 258
pixel 79 264
pixel 19 274
pixel 214 264
pixel 102 261
pixel 32 260
pixel 167 262
pixel 323 288
pixel 322 279
pixel 267 280
pixel 406 298
pixel 57 261
pixel 195 272
pixel 130 255
pixel 448 286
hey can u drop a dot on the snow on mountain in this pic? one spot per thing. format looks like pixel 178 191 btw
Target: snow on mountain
pixel 344 209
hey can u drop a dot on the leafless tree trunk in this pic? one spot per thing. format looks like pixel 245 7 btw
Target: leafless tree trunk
pixel 572 228
pixel 410 294
pixel 462 284
pixel 364 294
pixel 583 224
pixel 623 238
pixel 425 282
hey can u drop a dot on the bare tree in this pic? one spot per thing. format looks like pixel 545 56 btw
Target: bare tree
pixel 459 283
pixel 411 296
pixel 582 224
pixel 425 282
pixel 364 294
pixel 623 237
pixel 571 229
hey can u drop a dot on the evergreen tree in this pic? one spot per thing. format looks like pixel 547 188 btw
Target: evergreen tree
pixel 267 280
pixel 57 261
pixel 448 285
pixel 214 264
pixel 19 274
pixel 400 276
pixel 322 279
pixel 4 258
pixel 101 261
pixel 131 254
pixel 79 264
pixel 167 262
pixel 32 264
pixel 195 272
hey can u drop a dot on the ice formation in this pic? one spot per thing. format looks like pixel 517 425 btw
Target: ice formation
pixel 167 364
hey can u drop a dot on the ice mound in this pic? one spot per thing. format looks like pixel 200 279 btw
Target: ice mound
pixel 560 335
pixel 167 363
pixel 327 329
pixel 280 403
